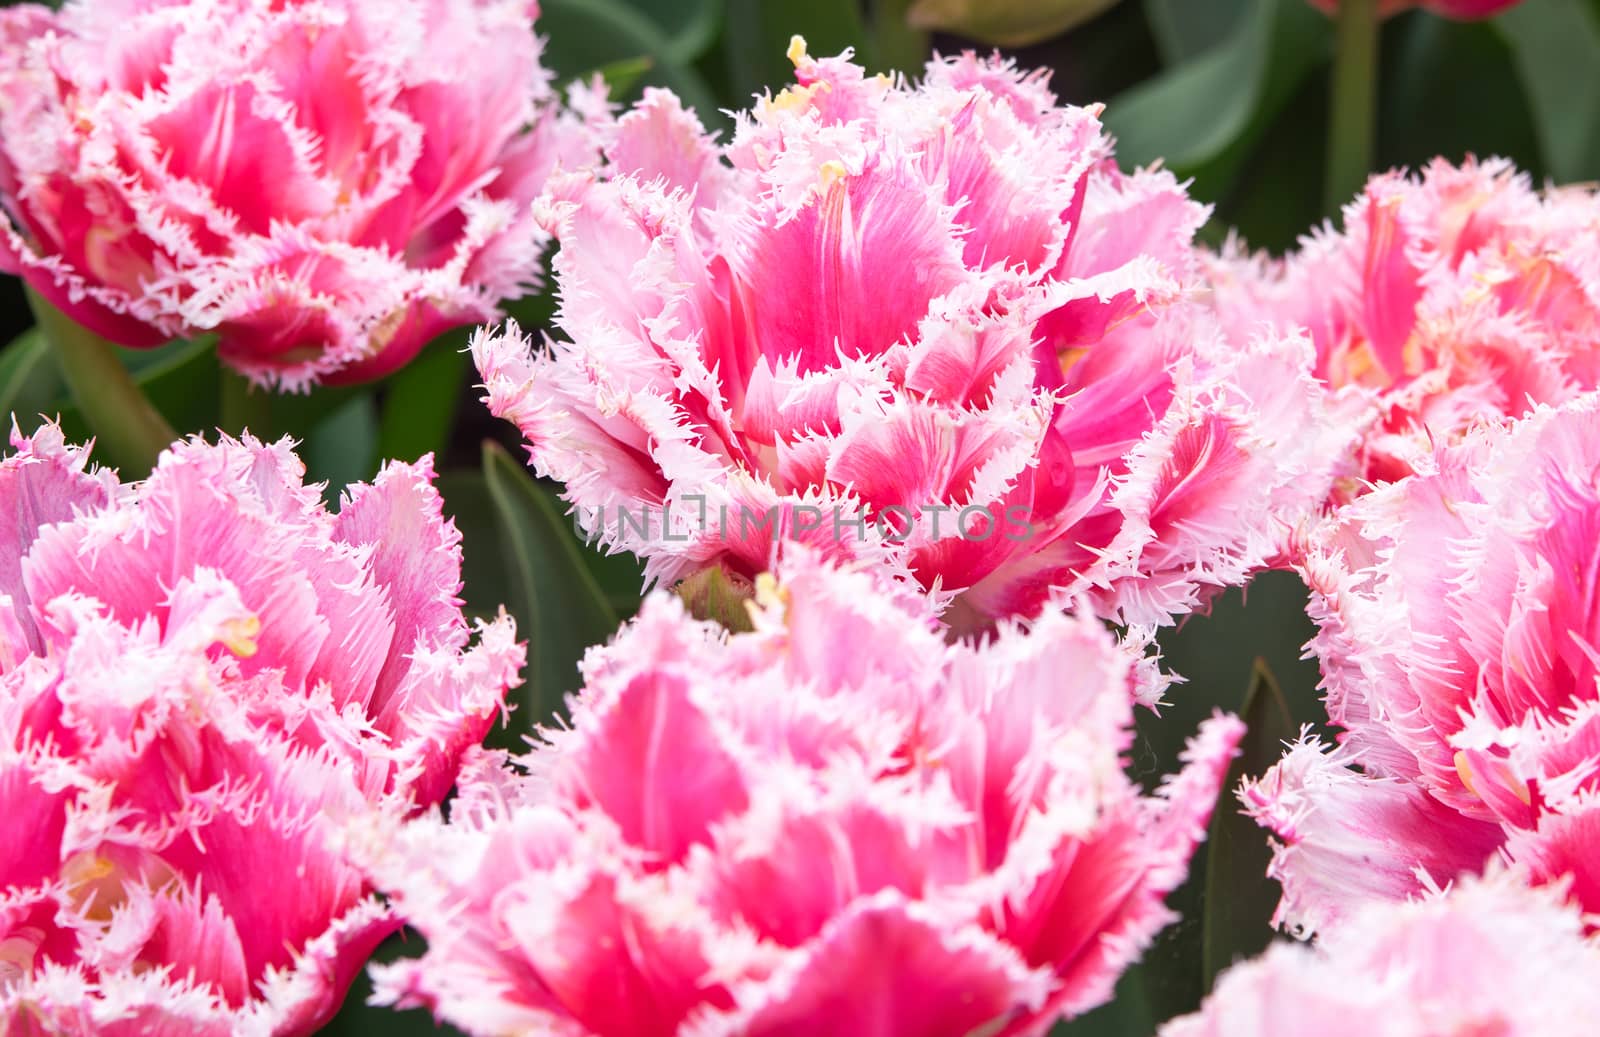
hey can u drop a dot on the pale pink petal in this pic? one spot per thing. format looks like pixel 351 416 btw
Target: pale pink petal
pixel 1485 957
pixel 1348 838
pixel 772 831
pixel 403 145
pixel 194 743
pixel 925 325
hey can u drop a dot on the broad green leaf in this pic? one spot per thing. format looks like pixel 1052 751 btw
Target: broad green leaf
pixel 131 432
pixel 270 415
pixel 561 608
pixel 1184 29
pixel 587 36
pixel 1004 23
pixel 343 447
pixel 1271 198
pixel 30 381
pixel 141 360
pixel 1239 898
pixel 1556 47
pixel 180 381
pixel 245 406
pixel 1214 652
pixel 182 385
pixel 1197 110
pixel 485 579
pixel 420 400
pixel 623 75
pixel 690 25
pixel 1450 89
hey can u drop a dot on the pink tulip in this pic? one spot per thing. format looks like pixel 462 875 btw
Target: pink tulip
pixel 837 823
pixel 1491 957
pixel 326 186
pixel 206 680
pixel 1449 299
pixel 1460 649
pixel 930 325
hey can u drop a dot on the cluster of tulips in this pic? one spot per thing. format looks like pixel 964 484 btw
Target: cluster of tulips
pixel 955 412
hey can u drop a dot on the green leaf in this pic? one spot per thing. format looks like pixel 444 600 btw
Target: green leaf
pixel 298 414
pixel 1197 110
pixel 485 579
pixel 131 433
pixel 1271 198
pixel 343 447
pixel 1556 47
pixel 182 384
pixel 589 35
pixel 1005 23
pixel 179 379
pixel 690 25
pixel 561 608
pixel 1239 898
pixel 623 75
pixel 420 401
pixel 245 406
pixel 1184 29
pixel 756 43
pixel 30 381
pixel 1451 89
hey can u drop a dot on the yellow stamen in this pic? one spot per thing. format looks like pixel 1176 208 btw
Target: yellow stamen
pixel 797 50
pixel 85 876
pixel 239 636
pixel 770 593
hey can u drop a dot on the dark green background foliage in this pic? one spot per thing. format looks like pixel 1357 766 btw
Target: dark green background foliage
pixel 1230 93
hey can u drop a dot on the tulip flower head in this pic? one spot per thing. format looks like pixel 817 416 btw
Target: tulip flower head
pixel 1489 957
pixel 204 680
pixel 1460 648
pixel 1451 298
pixel 933 326
pixel 325 186
pixel 835 822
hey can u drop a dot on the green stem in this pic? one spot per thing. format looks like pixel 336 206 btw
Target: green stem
pixel 245 407
pixel 898 46
pixel 1352 127
pixel 129 432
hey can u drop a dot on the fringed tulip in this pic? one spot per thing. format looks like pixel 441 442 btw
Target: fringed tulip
pixel 1460 647
pixel 836 823
pixel 205 679
pixel 1489 957
pixel 1451 298
pixel 326 186
pixel 932 325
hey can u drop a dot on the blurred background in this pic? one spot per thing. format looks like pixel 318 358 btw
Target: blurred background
pixel 1233 94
